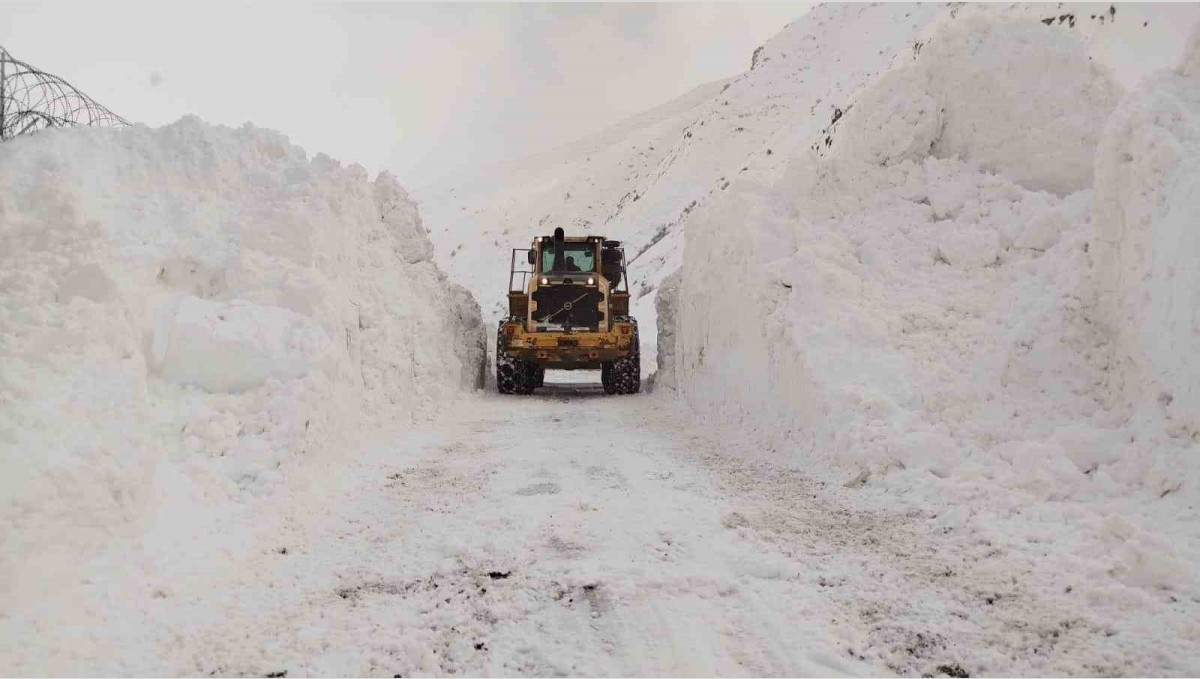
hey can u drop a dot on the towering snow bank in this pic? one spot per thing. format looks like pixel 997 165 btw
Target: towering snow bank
pixel 1148 242
pixel 186 311
pixel 935 291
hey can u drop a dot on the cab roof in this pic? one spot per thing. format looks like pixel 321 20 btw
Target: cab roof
pixel 577 239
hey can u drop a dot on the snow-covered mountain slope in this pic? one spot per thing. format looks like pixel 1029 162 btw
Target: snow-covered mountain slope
pixel 186 315
pixel 642 180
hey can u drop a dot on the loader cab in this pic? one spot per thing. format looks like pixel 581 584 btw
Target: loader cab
pixel 593 265
pixel 583 255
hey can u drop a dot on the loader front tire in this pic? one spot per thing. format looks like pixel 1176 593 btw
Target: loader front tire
pixel 514 376
pixel 624 375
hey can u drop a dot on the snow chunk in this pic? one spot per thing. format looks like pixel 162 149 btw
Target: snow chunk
pixel 400 214
pixel 234 346
pixel 1142 559
pixel 1042 231
pixel 968 245
pixel 1019 100
pixel 894 120
pixel 1009 96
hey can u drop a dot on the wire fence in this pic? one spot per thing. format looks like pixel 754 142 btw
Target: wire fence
pixel 32 100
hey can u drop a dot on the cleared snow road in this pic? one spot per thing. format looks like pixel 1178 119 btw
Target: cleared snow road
pixel 572 533
pixel 557 534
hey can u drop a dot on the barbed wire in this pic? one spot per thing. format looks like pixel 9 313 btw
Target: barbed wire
pixel 32 100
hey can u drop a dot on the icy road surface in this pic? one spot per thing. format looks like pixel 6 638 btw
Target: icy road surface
pixel 573 533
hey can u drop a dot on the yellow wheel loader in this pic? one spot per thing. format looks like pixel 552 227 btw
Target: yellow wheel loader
pixel 568 309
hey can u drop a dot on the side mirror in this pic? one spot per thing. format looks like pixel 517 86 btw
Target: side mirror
pixel 531 256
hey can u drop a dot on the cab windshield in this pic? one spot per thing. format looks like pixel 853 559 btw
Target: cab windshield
pixel 577 257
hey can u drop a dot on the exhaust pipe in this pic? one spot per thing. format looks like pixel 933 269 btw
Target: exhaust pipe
pixel 559 236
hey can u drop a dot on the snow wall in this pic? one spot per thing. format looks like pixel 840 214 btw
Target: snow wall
pixel 188 312
pixel 985 269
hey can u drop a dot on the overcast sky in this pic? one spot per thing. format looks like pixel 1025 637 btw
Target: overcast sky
pixel 422 90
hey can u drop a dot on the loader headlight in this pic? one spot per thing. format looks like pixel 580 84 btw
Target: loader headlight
pixel 545 281
pixel 591 281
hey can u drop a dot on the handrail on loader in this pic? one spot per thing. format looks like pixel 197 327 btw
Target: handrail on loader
pixel 513 271
pixel 623 284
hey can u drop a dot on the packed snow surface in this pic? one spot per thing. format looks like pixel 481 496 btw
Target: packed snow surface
pixel 464 547
pixel 186 313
